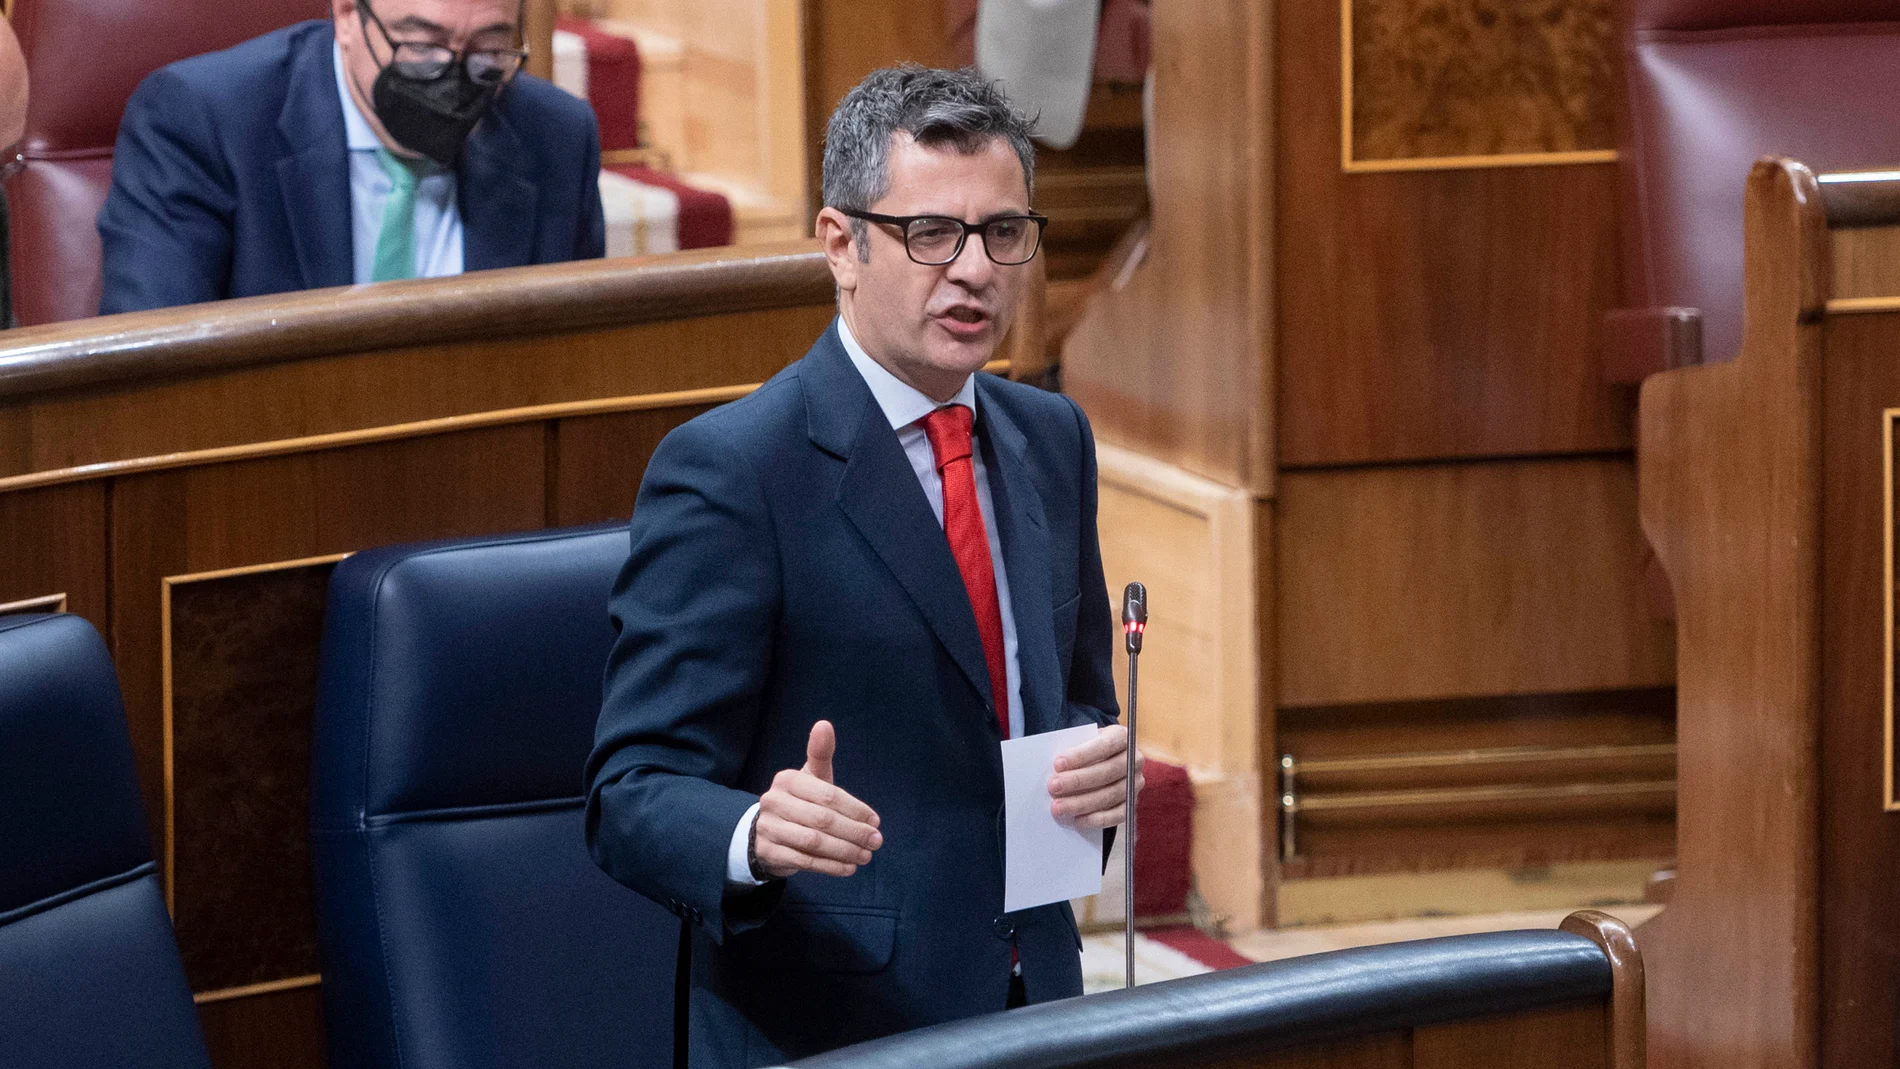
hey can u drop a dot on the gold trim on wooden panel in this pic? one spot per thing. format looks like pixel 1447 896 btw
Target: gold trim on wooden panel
pixel 1495 755
pixel 341 439
pixel 165 586
pixel 1466 163
pixel 1838 306
pixel 253 990
pixel 43 603
pixel 1887 801
pixel 417 429
pixel 1432 163
pixel 1454 795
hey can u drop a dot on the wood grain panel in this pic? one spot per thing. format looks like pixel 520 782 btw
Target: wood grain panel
pixel 598 462
pixel 1602 718
pixel 848 39
pixel 53 541
pixel 1596 831
pixel 1177 363
pixel 378 388
pixel 1435 314
pixel 278 509
pixel 1380 1050
pixel 1571 1036
pixel 244 665
pixel 1731 500
pixel 1494 843
pixel 1446 581
pixel 1866 262
pixel 1860 836
pixel 1438 78
pixel 282 1030
pixel 1194 543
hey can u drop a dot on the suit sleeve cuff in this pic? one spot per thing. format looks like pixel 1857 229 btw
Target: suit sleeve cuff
pixel 738 863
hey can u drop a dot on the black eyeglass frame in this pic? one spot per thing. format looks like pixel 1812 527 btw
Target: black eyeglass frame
pixel 458 57
pixel 982 230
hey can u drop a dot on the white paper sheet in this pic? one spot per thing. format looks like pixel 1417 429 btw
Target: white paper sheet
pixel 1044 860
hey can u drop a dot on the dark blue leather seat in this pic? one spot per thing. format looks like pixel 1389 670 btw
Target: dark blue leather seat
pixel 89 974
pixel 462 922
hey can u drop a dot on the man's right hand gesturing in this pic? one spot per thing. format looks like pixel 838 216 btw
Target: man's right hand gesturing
pixel 807 823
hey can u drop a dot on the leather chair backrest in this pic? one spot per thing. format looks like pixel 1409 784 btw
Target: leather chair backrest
pixel 84 58
pixel 1712 85
pixel 89 974
pixel 460 918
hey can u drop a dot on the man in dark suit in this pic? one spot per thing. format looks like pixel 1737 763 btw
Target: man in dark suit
pixel 843 591
pixel 394 141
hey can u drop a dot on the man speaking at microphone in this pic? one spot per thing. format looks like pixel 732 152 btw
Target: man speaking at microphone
pixel 843 592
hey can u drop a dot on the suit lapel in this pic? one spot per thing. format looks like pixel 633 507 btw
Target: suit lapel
pixel 497 200
pixel 1024 531
pixel 314 179
pixel 879 494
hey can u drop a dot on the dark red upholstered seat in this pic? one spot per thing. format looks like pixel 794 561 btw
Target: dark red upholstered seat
pixel 84 58
pixel 1712 85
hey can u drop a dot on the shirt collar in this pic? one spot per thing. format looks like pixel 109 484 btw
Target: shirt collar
pixel 903 404
pixel 356 131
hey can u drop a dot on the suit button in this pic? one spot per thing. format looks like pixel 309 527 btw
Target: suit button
pixel 1005 928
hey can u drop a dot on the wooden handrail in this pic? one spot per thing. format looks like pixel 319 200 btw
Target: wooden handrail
pixel 482 305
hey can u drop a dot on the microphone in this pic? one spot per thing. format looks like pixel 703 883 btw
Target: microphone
pixel 1134 625
pixel 1134 618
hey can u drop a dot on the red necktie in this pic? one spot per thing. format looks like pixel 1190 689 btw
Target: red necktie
pixel 948 429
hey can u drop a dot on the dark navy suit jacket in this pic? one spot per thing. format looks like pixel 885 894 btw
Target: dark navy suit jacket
pixel 786 568
pixel 231 178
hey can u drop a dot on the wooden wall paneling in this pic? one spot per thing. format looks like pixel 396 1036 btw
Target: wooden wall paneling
pixel 374 389
pixel 226 877
pixel 1866 263
pixel 848 39
pixel 1860 829
pixel 1433 314
pixel 598 461
pixel 52 542
pixel 1381 1050
pixel 1457 580
pixel 1731 501
pixel 1493 841
pixel 1573 1036
pixel 1641 717
pixel 1192 541
pixel 1178 363
pixel 239 653
pixel 538 31
pixel 1095 189
pixel 274 1030
pixel 1466 81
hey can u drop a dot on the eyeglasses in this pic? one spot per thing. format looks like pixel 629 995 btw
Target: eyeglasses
pixel 425 62
pixel 935 240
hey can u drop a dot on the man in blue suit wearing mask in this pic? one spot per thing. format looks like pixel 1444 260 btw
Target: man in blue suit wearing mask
pixel 843 591
pixel 395 140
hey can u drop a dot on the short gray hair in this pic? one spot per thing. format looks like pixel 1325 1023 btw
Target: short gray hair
pixel 960 108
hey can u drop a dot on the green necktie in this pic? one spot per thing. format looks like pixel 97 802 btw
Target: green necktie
pixel 396 241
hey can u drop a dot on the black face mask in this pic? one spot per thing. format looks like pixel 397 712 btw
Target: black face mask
pixel 432 117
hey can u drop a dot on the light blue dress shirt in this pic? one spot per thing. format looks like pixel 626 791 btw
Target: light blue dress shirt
pixel 905 407
pixel 438 213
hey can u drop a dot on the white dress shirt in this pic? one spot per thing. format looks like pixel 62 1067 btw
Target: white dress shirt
pixel 438 213
pixel 905 407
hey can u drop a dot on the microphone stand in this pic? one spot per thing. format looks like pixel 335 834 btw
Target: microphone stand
pixel 1134 623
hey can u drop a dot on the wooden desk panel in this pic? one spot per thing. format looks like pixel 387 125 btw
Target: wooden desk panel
pixel 188 477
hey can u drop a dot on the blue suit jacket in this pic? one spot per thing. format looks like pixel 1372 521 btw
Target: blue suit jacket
pixel 786 568
pixel 231 178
